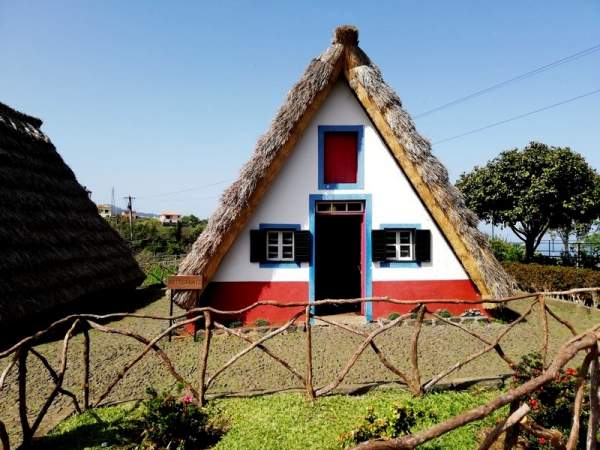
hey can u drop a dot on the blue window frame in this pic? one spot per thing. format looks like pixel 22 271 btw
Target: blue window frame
pixel 359 129
pixel 400 226
pixel 279 264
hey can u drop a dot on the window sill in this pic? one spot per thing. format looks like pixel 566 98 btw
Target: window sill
pixel 279 265
pixel 404 264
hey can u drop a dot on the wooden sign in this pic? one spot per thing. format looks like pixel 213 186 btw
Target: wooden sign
pixel 185 282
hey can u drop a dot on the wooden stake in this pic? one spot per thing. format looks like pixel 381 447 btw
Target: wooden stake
pixel 594 418
pixel 25 427
pixel 86 367
pixel 310 390
pixel 414 356
pixel 544 320
pixel 204 358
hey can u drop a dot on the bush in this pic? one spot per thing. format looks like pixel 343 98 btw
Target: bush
pixel 536 277
pixel 397 422
pixel 551 405
pixel 177 424
pixel 261 323
pixel 393 316
pixel 444 313
pixel 507 251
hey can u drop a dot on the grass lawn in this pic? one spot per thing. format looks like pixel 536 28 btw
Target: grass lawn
pixel 282 421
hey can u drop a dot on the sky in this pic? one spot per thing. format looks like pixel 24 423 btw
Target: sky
pixel 155 98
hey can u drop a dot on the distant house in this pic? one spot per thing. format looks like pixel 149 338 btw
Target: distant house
pixel 105 211
pixel 169 218
pixel 56 250
pixel 341 199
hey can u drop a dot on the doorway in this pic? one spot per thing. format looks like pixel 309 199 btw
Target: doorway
pixel 338 256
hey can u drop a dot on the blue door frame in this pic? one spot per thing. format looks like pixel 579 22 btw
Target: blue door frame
pixel 366 198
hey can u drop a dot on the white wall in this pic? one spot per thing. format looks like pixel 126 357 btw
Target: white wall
pixel 393 201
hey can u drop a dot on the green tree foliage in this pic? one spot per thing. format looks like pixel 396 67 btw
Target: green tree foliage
pixel 151 236
pixel 533 190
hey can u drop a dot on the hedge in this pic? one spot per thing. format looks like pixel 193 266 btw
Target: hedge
pixel 537 277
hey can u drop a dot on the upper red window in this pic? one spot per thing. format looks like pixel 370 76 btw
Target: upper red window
pixel 340 157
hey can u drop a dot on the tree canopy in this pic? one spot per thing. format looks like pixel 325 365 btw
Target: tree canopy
pixel 532 190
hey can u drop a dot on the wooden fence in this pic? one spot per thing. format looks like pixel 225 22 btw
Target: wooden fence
pixel 587 342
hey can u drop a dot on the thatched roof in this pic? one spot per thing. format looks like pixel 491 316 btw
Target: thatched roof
pixel 345 60
pixel 55 246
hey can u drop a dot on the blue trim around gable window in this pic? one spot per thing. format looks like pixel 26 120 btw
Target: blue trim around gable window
pixel 359 129
pixel 400 226
pixel 281 264
pixel 312 200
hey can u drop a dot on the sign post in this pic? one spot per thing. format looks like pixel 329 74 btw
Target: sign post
pixel 183 283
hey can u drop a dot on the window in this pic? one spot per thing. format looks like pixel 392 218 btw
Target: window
pixel 399 245
pixel 340 207
pixel 280 245
pixel 340 156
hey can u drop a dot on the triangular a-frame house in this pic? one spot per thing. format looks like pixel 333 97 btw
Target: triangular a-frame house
pixel 342 198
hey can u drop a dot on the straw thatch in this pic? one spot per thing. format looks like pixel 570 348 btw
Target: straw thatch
pixel 345 60
pixel 55 247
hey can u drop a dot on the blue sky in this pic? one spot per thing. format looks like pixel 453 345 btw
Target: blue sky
pixel 156 97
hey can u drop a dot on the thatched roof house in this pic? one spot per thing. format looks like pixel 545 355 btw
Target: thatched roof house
pixel 345 64
pixel 55 247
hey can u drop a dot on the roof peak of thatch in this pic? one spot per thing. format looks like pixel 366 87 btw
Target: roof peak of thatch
pixel 345 35
pixel 17 115
pixel 344 59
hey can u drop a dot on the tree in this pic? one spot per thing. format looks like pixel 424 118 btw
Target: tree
pixel 533 190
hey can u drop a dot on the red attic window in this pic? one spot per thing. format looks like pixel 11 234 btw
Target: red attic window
pixel 340 157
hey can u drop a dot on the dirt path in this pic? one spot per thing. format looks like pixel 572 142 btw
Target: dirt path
pixel 440 346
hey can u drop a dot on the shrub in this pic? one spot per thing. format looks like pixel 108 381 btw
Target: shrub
pixel 174 423
pixel 393 316
pixel 399 421
pixel 261 323
pixel 551 405
pixel 536 277
pixel 444 313
pixel 234 324
pixel 507 251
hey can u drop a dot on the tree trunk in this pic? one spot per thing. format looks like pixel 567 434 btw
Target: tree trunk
pixel 529 247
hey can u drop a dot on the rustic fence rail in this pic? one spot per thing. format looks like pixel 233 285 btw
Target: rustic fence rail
pixel 586 342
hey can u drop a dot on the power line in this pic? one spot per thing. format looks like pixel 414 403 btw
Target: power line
pixel 164 194
pixel 523 76
pixel 520 116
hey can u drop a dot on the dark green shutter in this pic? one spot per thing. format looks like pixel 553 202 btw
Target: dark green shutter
pixel 378 245
pixel 258 246
pixel 302 246
pixel 423 245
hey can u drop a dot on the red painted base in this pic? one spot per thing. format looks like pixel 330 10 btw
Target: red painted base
pixel 230 296
pixel 425 290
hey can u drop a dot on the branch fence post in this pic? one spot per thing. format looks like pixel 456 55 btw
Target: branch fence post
pixel 414 357
pixel 310 391
pixel 25 426
pixel 204 357
pixel 86 367
pixel 512 434
pixel 544 319
pixel 592 430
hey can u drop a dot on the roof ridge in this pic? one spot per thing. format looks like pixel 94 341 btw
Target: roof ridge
pixel 17 115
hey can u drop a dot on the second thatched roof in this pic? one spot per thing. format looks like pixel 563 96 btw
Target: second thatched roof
pixel 345 60
pixel 55 247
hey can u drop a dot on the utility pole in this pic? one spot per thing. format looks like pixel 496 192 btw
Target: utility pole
pixel 112 202
pixel 129 199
